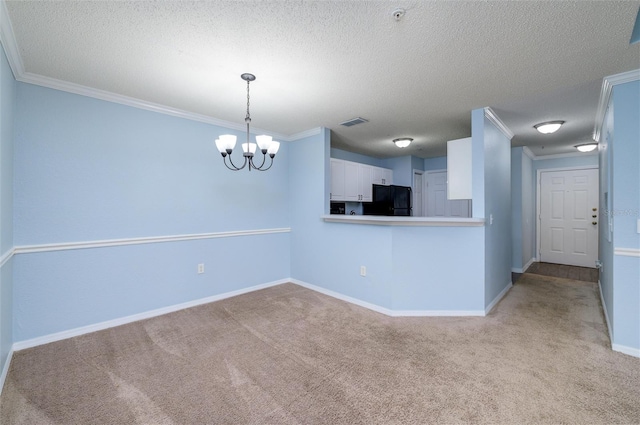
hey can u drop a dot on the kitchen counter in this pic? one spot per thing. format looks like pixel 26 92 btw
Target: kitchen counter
pixel 405 221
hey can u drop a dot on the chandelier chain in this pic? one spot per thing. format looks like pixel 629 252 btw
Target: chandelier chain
pixel 248 118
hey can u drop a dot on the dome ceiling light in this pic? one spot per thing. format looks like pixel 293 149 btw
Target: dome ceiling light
pixel 587 147
pixel 403 142
pixel 548 127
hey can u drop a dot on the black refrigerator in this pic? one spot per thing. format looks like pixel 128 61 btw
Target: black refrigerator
pixel 389 200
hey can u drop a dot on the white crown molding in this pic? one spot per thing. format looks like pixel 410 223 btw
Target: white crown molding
pixel 8 40
pixel 58 336
pixel 605 94
pixel 66 86
pixel 493 117
pixel 627 252
pixel 7 256
pixel 28 249
pixel 303 134
pixel 527 151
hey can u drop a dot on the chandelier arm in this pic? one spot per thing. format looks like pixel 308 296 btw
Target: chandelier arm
pixel 235 168
pixel 264 158
pixel 265 169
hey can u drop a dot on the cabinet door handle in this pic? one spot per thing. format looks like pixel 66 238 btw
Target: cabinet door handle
pixel 594 222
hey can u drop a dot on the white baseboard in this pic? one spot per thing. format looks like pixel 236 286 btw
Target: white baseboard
pixel 21 345
pixel 526 266
pixel 384 310
pixel 5 369
pixel 606 313
pixel 529 263
pixel 497 299
pixel 635 352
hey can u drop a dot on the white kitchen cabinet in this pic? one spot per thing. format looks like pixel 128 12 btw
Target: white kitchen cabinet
pixel 351 181
pixel 365 180
pixel 383 176
pixel 337 180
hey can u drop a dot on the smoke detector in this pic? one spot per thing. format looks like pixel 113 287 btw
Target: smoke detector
pixel 398 13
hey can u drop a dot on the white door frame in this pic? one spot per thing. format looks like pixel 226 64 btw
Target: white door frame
pixel 413 178
pixel 538 177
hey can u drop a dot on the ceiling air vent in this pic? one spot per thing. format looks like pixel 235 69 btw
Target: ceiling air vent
pixel 353 121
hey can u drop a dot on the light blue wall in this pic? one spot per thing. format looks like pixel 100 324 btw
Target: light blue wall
pixel 605 242
pixel 567 162
pixel 417 163
pixel 490 144
pixel 625 213
pixel 64 290
pixel 402 171
pixel 516 208
pixel 438 163
pixel 528 211
pixel 356 157
pixel 407 268
pixel 7 101
pixel 89 170
pixel 478 164
pixel 86 169
pixel 523 207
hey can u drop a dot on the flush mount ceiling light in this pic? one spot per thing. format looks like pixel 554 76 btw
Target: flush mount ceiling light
pixel 226 142
pixel 586 147
pixel 548 127
pixel 403 142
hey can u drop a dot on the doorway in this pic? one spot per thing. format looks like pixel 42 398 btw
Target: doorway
pixel 437 203
pixel 418 201
pixel 568 216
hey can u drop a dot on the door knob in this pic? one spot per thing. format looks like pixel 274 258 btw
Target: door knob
pixel 594 222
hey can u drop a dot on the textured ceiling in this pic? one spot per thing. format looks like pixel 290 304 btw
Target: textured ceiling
pixel 321 63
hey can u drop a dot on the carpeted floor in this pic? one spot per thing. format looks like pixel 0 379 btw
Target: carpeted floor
pixel 288 355
pixel 586 274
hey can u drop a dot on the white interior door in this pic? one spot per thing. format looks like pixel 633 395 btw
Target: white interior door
pixel 568 217
pixel 437 194
pixel 417 194
pixel 437 203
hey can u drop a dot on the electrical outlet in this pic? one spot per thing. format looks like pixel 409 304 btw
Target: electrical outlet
pixel 363 271
pixel 200 268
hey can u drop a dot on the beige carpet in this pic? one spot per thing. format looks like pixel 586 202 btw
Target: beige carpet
pixel 288 355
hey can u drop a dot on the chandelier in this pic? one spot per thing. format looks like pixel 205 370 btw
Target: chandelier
pixel 226 142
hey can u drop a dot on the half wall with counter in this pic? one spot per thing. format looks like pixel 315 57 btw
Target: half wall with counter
pixel 409 265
